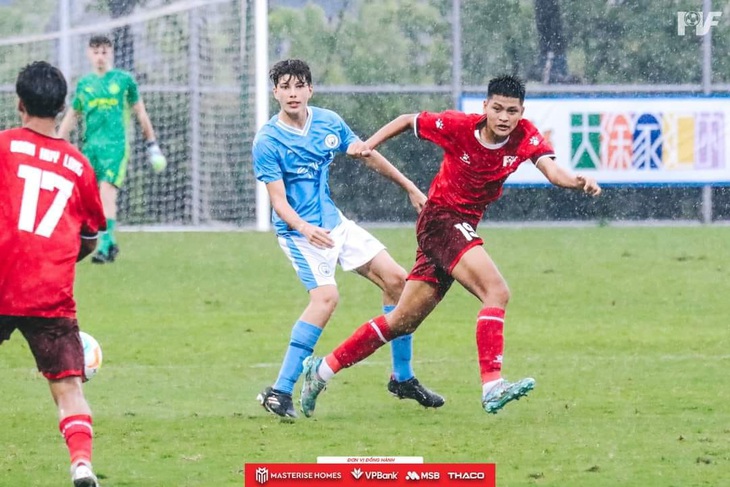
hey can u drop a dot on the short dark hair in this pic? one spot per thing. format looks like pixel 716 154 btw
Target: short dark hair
pixel 295 68
pixel 42 89
pixel 100 40
pixel 507 85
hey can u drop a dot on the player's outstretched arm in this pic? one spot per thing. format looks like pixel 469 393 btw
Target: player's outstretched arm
pixel 558 176
pixel 67 124
pixel 391 129
pixel 154 155
pixel 317 236
pixel 378 163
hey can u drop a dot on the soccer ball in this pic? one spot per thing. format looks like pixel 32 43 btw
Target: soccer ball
pixel 92 355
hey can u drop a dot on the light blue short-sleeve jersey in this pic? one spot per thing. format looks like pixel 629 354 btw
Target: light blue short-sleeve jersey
pixel 301 158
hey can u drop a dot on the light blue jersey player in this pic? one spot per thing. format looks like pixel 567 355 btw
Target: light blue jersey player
pixel 301 158
pixel 292 154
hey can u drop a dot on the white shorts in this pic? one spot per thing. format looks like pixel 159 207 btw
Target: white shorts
pixel 354 247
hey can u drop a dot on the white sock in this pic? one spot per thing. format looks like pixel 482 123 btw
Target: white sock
pixel 487 386
pixel 324 371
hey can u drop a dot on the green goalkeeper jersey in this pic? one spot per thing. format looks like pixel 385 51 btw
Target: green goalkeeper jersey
pixel 105 103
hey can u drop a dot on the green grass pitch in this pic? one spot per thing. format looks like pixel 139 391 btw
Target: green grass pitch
pixel 625 330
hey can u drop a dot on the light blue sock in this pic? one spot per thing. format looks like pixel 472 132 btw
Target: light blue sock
pixel 304 337
pixel 401 349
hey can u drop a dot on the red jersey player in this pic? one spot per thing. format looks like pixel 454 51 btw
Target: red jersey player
pixel 480 152
pixel 50 214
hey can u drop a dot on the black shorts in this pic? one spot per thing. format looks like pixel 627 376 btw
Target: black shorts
pixel 54 342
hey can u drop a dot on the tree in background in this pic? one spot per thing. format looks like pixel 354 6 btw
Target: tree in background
pixel 552 65
pixel 409 42
pixel 122 36
pixel 367 43
pixel 404 42
pixel 612 41
pixel 498 36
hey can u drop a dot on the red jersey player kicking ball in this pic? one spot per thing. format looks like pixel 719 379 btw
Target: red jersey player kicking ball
pixel 50 214
pixel 480 152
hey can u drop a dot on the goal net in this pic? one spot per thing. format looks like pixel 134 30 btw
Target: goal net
pixel 191 61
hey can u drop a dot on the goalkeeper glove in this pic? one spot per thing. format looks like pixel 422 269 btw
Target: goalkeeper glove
pixel 155 157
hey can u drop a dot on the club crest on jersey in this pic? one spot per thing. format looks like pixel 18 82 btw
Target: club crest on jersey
pixel 465 158
pixel 324 269
pixel 439 124
pixel 534 140
pixel 508 160
pixel 114 88
pixel 331 141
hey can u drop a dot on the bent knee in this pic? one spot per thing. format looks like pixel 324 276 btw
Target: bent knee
pixel 395 281
pixel 325 299
pixel 500 293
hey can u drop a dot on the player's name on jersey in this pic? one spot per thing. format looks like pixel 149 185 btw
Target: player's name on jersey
pixel 46 155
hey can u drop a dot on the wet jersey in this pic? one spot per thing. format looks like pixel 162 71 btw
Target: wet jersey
pixel 105 103
pixel 472 173
pixel 49 201
pixel 302 158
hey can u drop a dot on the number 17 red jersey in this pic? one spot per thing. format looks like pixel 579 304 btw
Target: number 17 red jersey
pixel 49 200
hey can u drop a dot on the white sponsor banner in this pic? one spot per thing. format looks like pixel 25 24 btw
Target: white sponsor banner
pixel 385 460
pixel 639 141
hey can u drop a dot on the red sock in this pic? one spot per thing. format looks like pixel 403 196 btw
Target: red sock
pixel 77 432
pixel 490 343
pixel 361 344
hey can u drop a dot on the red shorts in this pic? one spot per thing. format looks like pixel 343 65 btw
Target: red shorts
pixel 443 237
pixel 54 342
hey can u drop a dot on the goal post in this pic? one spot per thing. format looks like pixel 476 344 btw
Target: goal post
pixel 261 16
pixel 194 64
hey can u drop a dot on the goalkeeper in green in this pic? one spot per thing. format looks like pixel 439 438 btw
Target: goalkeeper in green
pixel 104 99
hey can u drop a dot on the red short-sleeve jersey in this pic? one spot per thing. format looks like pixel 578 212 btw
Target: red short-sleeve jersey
pixel 49 201
pixel 472 173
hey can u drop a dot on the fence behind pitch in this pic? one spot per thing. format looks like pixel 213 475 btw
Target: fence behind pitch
pixel 190 60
